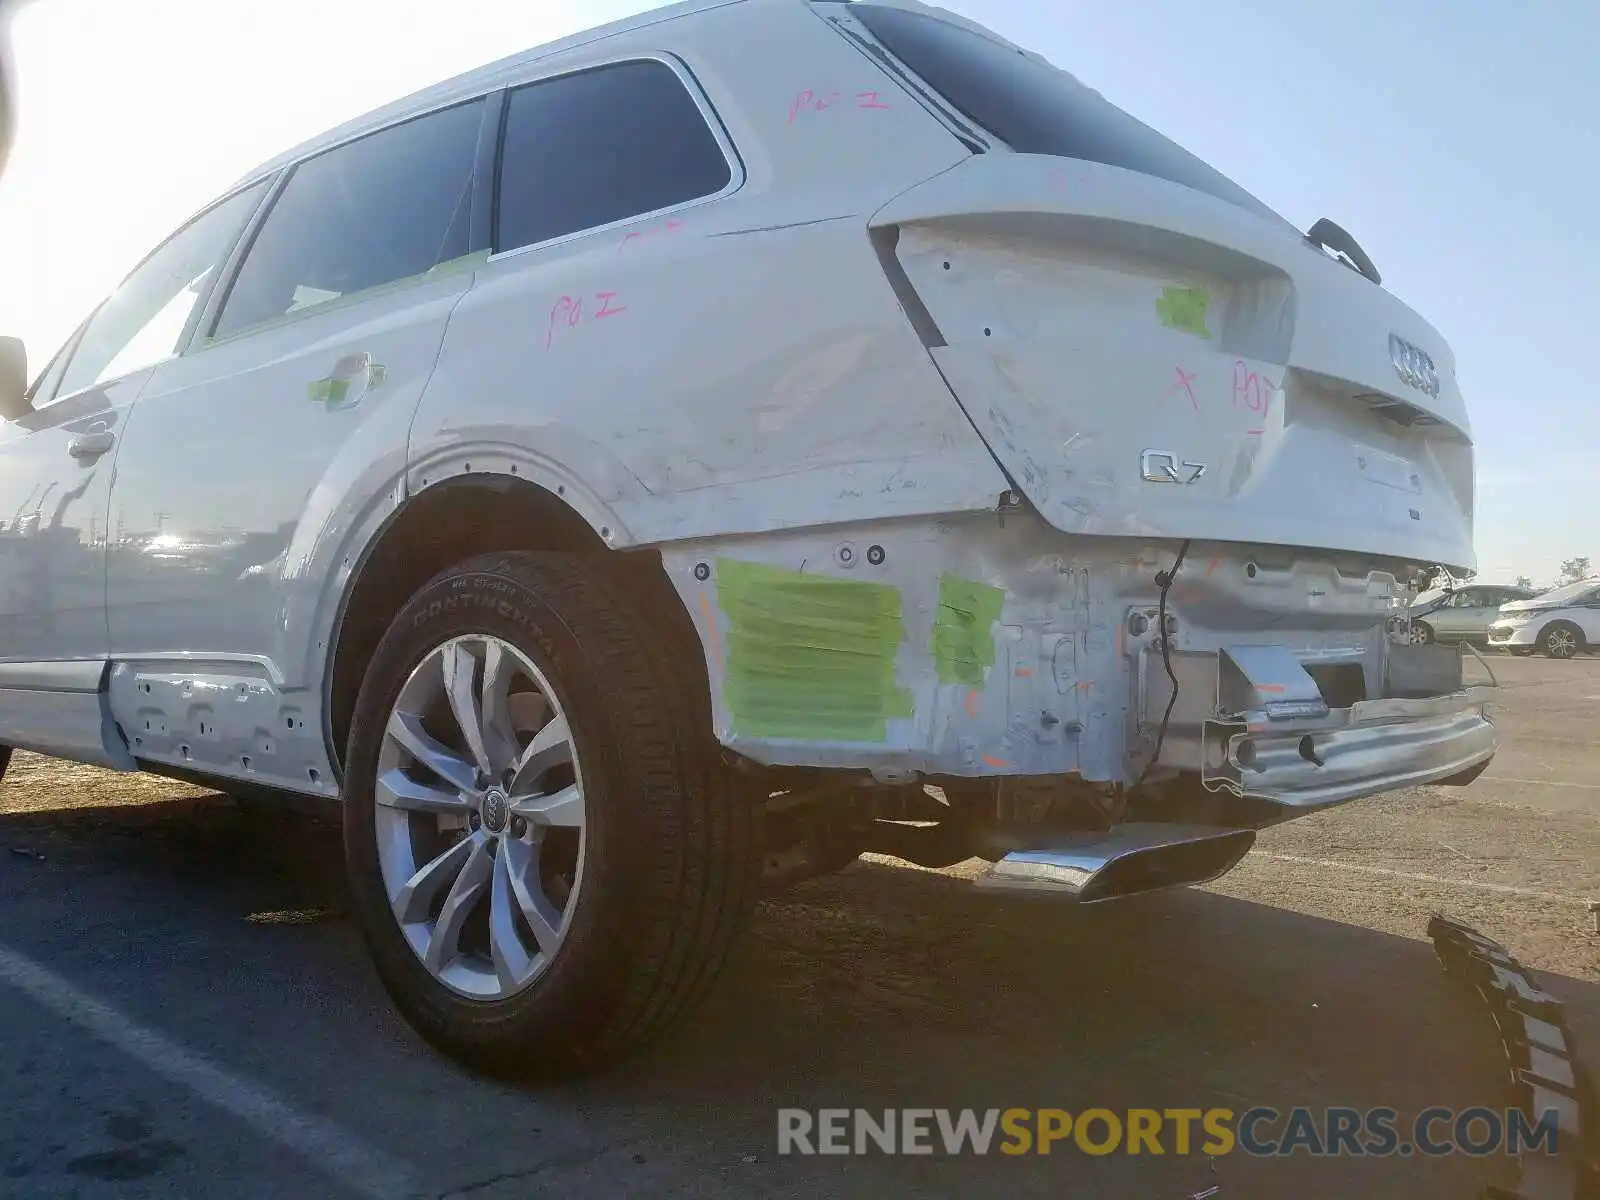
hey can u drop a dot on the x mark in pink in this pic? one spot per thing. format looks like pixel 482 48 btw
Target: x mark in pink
pixel 1185 381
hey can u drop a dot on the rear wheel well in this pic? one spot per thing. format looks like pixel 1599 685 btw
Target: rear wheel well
pixel 461 519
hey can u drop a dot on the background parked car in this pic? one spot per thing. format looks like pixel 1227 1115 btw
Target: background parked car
pixel 1465 614
pixel 1560 622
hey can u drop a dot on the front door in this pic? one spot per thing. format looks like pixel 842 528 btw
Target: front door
pixel 1587 617
pixel 241 454
pixel 1479 608
pixel 56 467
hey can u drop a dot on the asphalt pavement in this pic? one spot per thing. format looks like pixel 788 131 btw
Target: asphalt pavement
pixel 185 1010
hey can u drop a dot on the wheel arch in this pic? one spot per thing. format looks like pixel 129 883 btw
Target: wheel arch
pixel 1563 623
pixel 458 517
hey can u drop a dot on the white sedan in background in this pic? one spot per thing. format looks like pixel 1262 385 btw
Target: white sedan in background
pixel 1560 622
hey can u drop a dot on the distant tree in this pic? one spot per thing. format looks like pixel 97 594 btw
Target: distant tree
pixel 1574 569
pixel 1522 581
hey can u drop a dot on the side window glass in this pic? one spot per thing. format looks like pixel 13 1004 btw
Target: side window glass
pixel 600 146
pixel 44 384
pixel 386 207
pixel 145 317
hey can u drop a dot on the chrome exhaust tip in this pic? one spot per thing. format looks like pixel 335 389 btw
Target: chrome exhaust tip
pixel 1125 861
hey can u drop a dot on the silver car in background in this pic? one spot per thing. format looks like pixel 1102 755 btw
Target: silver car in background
pixel 1461 615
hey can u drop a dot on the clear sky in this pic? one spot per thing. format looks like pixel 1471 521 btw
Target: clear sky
pixel 1457 141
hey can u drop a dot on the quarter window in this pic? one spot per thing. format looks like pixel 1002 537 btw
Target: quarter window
pixel 600 146
pixel 393 204
pixel 145 318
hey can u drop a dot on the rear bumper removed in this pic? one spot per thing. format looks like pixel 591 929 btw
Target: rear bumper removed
pixel 991 645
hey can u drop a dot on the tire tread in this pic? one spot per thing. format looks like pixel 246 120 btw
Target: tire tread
pixel 696 884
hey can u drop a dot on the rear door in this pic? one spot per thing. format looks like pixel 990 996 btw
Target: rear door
pixel 240 454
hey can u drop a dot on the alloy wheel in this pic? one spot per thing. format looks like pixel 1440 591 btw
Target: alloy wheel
pixel 480 817
pixel 1560 643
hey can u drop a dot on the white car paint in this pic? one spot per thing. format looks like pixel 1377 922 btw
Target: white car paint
pixel 881 401
pixel 1526 623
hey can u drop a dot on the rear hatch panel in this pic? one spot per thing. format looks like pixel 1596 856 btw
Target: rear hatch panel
pixel 1147 360
pixel 1147 348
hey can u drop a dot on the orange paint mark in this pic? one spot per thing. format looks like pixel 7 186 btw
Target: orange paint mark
pixel 1212 569
pixel 1086 686
pixel 971 704
pixel 1024 672
pixel 1271 687
pixel 992 761
pixel 712 636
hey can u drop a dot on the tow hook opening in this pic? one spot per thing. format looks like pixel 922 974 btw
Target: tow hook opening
pixel 1308 751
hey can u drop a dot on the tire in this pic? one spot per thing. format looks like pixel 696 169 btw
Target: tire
pixel 642 896
pixel 1422 634
pixel 1560 639
pixel 5 759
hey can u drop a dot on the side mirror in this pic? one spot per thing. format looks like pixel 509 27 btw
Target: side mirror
pixel 14 401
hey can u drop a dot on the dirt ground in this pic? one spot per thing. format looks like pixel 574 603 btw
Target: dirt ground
pixel 1303 977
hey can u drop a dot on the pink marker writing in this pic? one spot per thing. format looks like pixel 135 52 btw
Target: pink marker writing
pixel 810 101
pixel 568 311
pixel 1186 382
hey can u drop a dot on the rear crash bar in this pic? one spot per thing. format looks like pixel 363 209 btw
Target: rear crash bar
pixel 1372 746
pixel 1254 720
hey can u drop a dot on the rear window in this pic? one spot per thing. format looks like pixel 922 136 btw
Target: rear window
pixel 1035 108
pixel 602 146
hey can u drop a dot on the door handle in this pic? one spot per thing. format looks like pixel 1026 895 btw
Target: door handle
pixel 353 376
pixel 92 444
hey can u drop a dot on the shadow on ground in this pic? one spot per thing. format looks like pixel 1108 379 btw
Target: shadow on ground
pixel 882 987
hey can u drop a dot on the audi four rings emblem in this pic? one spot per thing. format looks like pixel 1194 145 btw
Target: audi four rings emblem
pixel 1414 366
pixel 1162 466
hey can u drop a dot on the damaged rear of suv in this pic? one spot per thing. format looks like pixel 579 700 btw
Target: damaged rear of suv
pixel 1018 488
pixel 714 447
pixel 1228 454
